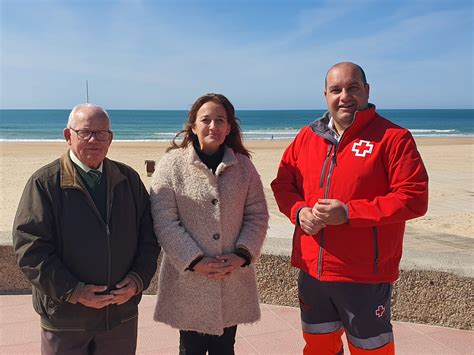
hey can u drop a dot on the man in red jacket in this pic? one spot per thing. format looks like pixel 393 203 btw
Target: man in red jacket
pixel 349 181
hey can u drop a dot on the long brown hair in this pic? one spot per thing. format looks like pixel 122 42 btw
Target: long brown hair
pixel 233 140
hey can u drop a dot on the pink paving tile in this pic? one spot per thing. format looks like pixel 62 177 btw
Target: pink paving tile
pixel 14 300
pixel 277 343
pixel 403 330
pixel 243 347
pixel 423 328
pixel 429 329
pixel 147 306
pixel 165 351
pixel 19 333
pixel 146 320
pixel 157 338
pixel 268 323
pixel 461 341
pixel 146 309
pixel 18 314
pixel 421 345
pixel 289 315
pixel 148 301
pixel 21 349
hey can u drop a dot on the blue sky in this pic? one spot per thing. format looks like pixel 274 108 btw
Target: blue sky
pixel 261 54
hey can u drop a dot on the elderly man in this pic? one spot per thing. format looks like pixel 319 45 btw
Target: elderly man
pixel 83 236
pixel 349 181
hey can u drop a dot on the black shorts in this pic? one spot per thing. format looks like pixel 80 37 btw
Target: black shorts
pixel 363 310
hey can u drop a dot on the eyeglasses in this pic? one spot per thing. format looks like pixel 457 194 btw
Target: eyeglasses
pixel 86 135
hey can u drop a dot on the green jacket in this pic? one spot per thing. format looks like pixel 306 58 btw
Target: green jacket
pixel 61 242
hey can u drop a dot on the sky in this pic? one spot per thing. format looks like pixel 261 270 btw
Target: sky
pixel 261 54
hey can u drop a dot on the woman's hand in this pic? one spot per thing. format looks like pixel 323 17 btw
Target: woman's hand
pixel 232 260
pixel 214 268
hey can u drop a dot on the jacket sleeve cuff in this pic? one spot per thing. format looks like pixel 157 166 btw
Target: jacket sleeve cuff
pixel 74 295
pixel 297 217
pixel 138 281
pixel 194 263
pixel 244 254
pixel 295 210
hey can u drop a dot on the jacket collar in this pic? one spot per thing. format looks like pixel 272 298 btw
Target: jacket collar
pixel 69 177
pixel 80 164
pixel 361 118
pixel 228 159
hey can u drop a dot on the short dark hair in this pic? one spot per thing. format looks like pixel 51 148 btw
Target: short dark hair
pixel 234 138
pixel 361 71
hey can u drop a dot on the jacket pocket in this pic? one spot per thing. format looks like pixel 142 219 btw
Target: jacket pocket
pixel 43 304
pixel 51 306
pixel 349 251
pixel 39 303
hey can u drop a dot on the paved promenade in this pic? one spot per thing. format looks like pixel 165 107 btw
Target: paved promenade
pixel 278 333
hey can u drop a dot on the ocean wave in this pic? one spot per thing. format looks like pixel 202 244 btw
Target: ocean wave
pixel 171 134
pixel 432 130
pixel 32 140
pixel 262 132
pixel 256 132
pixel 456 135
pixel 252 135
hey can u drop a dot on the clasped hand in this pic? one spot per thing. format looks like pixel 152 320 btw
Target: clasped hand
pixel 324 212
pixel 90 294
pixel 220 267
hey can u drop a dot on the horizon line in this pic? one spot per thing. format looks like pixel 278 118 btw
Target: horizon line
pixel 246 109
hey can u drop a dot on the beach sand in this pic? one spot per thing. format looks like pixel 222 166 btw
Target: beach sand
pixel 449 161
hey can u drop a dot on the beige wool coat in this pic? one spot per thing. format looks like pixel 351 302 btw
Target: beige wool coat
pixel 198 213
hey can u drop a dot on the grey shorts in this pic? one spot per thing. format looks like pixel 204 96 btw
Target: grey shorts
pixel 363 310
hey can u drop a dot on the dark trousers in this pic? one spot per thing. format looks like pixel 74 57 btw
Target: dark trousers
pixel 194 343
pixel 361 310
pixel 121 340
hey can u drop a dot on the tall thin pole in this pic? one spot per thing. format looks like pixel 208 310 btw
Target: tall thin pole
pixel 87 91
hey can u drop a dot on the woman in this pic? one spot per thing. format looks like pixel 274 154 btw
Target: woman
pixel 210 216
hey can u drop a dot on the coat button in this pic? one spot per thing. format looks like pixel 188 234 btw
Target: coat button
pixel 214 201
pixel 216 236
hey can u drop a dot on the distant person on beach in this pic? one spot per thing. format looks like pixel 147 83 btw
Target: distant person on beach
pixel 348 182
pixel 211 218
pixel 83 235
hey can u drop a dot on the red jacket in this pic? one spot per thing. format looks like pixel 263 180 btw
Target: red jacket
pixel 376 170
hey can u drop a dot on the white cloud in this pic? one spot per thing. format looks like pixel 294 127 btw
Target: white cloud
pixel 137 56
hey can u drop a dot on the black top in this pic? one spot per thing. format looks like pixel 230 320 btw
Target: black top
pixel 212 161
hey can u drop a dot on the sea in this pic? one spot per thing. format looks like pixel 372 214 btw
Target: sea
pixel 162 125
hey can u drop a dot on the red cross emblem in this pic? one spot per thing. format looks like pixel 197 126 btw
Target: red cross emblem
pixel 362 148
pixel 380 311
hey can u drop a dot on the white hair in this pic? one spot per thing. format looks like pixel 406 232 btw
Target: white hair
pixel 78 108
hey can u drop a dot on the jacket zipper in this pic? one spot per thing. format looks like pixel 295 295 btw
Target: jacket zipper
pixel 331 168
pixel 91 202
pixel 376 250
pixel 109 212
pixel 323 171
pixel 326 195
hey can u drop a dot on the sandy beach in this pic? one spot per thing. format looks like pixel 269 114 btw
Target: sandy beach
pixel 450 164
